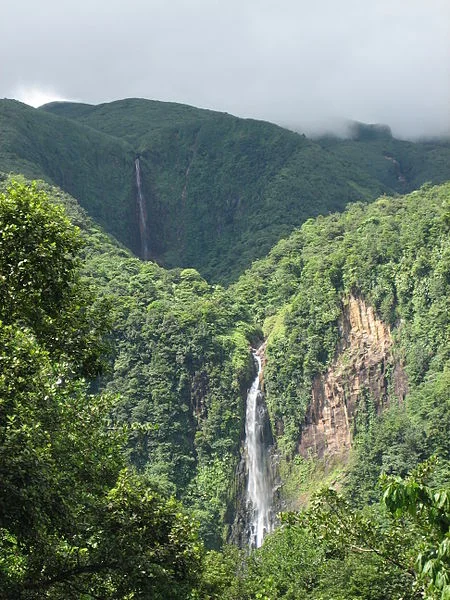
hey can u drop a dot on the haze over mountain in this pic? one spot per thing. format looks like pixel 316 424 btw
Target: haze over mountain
pixel 309 66
pixel 215 191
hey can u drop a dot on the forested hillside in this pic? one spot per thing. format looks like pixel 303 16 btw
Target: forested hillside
pixel 218 191
pixel 394 254
pixel 179 360
pixel 75 520
pixel 124 384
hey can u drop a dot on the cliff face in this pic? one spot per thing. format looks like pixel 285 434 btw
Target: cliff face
pixel 363 367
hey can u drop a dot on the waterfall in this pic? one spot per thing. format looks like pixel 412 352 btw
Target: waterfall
pixel 260 484
pixel 142 211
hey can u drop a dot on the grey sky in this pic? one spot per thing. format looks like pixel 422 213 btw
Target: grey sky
pixel 301 63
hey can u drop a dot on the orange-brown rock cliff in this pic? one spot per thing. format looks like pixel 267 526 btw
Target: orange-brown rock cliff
pixel 363 364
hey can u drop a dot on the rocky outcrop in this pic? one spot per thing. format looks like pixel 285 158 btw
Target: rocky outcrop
pixel 363 367
pixel 398 168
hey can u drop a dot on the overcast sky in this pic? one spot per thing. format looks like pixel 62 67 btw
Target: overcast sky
pixel 303 63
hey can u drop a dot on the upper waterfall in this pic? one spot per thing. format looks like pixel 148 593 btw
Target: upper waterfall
pixel 142 211
pixel 260 484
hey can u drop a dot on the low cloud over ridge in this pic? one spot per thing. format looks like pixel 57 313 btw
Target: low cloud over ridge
pixel 305 65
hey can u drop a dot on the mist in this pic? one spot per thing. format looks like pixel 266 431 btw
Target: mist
pixel 308 66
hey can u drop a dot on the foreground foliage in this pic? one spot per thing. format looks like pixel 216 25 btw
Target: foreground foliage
pixel 429 510
pixel 332 551
pixel 74 520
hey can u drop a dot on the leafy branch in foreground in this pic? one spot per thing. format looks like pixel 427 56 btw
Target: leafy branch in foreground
pixel 429 509
pixel 344 529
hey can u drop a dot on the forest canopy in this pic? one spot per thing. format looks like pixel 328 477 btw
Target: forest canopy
pixel 75 520
pixel 122 396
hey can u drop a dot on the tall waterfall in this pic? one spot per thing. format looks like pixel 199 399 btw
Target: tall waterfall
pixel 142 211
pixel 260 484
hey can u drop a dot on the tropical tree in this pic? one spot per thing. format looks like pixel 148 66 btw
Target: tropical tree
pixel 75 522
pixel 430 511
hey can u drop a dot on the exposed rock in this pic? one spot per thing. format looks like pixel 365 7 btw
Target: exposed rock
pixel 363 365
pixel 199 391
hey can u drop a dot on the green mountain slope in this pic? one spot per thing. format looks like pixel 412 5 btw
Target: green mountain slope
pixel 181 357
pixel 132 119
pixel 95 168
pixel 394 256
pixel 219 191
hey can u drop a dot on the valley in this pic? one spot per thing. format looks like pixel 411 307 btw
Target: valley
pixel 193 237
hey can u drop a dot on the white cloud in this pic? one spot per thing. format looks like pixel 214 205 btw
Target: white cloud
pixel 289 61
pixel 36 96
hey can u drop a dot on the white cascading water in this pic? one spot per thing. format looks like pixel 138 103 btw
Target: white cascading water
pixel 259 488
pixel 142 210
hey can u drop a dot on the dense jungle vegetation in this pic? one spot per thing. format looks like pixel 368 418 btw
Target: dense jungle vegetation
pixel 123 389
pixel 123 382
pixel 75 521
pixel 220 191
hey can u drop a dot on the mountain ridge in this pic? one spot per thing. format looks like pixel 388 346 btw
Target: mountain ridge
pixel 219 190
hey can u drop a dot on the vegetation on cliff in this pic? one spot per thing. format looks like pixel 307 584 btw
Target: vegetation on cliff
pixel 395 254
pixel 86 473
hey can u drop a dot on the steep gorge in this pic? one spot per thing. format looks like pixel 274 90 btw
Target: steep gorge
pixel 356 318
pixel 363 378
pixel 183 350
